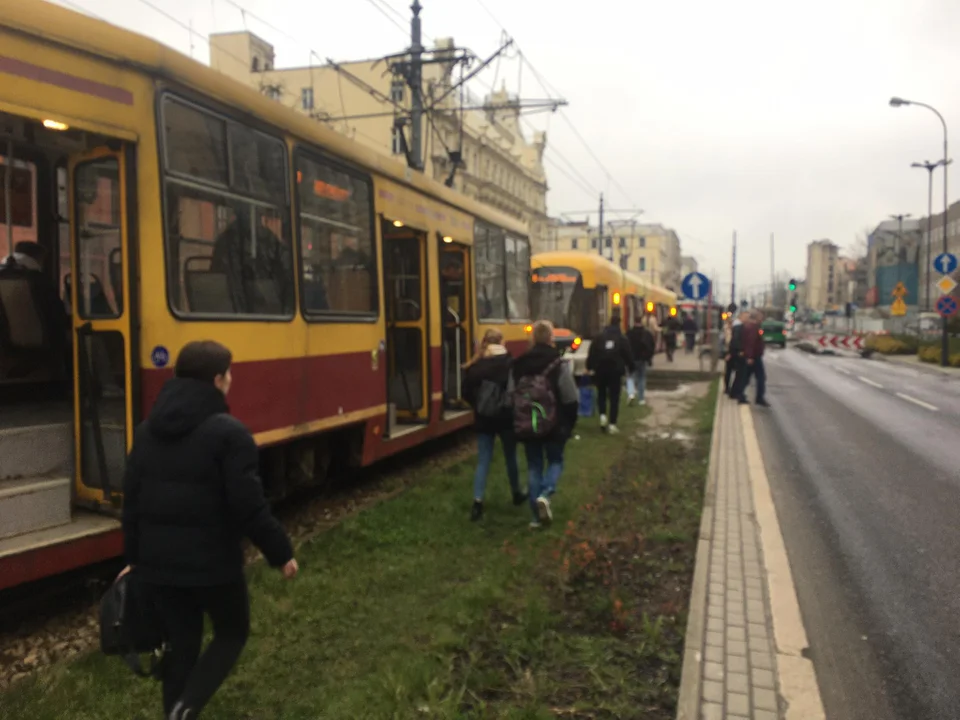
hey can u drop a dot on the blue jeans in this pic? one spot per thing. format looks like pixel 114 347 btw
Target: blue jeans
pixel 637 381
pixel 485 442
pixel 543 482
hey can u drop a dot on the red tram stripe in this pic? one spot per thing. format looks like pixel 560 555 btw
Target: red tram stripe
pixel 29 71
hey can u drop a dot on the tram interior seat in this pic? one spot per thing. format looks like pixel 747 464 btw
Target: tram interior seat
pixel 27 325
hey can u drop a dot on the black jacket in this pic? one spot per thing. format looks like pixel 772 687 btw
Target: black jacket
pixel 736 341
pixel 610 354
pixel 495 369
pixel 192 491
pixel 533 362
pixel 642 343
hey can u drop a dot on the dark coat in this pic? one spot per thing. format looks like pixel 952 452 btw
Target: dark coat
pixel 610 355
pixel 533 362
pixel 192 491
pixel 495 369
pixel 642 343
pixel 752 341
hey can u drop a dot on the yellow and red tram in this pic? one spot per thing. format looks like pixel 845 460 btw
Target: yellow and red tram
pixel 174 204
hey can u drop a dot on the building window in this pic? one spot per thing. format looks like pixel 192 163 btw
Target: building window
pixel 643 264
pixel 337 254
pixel 643 242
pixel 228 240
pixel 573 244
pixel 255 64
pixel 623 242
pixel 396 141
pixel 608 242
pixel 306 98
pixel 593 243
pixel 397 91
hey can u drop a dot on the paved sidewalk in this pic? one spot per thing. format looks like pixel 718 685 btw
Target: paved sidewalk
pixel 735 634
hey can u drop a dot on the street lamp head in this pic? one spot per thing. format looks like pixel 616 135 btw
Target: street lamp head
pixel 897 102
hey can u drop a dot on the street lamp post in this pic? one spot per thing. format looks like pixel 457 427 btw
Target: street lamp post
pixel 899 102
pixel 929 167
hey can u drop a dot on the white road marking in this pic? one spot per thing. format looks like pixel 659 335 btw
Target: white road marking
pixel 798 679
pixel 844 371
pixel 868 381
pixel 921 403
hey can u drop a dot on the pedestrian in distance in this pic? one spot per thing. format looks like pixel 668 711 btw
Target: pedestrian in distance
pixel 752 365
pixel 670 330
pixel 192 492
pixel 689 326
pixel 642 347
pixel 609 360
pixel 545 402
pixel 734 355
pixel 485 389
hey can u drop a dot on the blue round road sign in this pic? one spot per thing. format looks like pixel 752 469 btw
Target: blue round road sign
pixel 695 286
pixel 945 263
pixel 946 306
pixel 160 356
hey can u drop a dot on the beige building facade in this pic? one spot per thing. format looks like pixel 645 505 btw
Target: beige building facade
pixel 500 166
pixel 822 282
pixel 649 250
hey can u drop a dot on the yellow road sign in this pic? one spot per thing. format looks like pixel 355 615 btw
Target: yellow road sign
pixel 899 307
pixel 946 284
pixel 899 291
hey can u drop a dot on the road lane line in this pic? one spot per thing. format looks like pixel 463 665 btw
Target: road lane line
pixel 921 403
pixel 844 371
pixel 868 381
pixel 798 680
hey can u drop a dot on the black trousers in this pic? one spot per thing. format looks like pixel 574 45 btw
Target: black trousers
pixel 190 678
pixel 729 375
pixel 609 386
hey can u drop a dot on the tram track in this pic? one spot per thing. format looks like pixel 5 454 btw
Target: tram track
pixel 56 619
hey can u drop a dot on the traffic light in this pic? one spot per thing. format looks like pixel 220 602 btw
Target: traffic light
pixel 793 285
pixel 793 304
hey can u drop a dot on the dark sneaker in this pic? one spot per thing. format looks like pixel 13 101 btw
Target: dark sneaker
pixel 476 512
pixel 763 403
pixel 743 401
pixel 519 498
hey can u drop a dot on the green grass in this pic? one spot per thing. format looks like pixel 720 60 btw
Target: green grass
pixel 408 610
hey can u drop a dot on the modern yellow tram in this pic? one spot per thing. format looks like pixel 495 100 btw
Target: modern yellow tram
pixel 577 292
pixel 174 204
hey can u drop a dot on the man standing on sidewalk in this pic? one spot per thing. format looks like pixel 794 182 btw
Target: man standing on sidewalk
pixel 752 340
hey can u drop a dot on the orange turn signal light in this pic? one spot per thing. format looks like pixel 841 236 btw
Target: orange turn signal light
pixel 576 343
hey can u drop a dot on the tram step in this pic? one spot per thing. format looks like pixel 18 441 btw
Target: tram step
pixel 36 451
pixel 31 504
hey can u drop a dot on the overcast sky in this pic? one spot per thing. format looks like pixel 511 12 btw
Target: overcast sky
pixel 757 116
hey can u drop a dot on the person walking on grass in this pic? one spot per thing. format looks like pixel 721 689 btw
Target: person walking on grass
pixel 485 389
pixel 610 359
pixel 192 492
pixel 642 347
pixel 545 402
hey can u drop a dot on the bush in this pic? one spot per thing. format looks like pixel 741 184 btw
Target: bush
pixel 893 344
pixel 932 354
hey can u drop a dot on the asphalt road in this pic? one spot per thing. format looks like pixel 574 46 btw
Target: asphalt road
pixel 864 464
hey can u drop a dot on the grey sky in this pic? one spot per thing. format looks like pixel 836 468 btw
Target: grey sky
pixel 756 115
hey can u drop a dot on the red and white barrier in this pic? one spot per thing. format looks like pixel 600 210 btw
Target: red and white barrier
pixel 847 342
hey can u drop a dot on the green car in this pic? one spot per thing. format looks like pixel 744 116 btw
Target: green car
pixel 773 333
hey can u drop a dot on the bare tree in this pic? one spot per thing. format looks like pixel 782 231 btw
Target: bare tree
pixel 858 248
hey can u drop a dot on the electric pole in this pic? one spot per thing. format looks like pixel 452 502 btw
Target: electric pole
pixel 773 276
pixel 733 272
pixel 415 77
pixel 600 229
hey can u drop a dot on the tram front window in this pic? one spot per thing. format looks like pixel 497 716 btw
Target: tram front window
pixel 558 295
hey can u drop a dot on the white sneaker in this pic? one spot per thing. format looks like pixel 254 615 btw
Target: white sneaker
pixel 642 402
pixel 612 430
pixel 543 509
pixel 603 421
pixel 535 525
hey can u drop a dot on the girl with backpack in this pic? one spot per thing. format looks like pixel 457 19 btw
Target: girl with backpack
pixel 485 388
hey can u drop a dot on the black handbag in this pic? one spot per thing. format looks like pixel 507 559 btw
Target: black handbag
pixel 130 625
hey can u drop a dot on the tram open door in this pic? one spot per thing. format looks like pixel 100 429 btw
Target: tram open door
pixel 456 340
pixel 102 299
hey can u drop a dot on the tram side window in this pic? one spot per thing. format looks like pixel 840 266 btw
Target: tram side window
pixel 490 263
pixel 518 278
pixel 228 238
pixel 338 256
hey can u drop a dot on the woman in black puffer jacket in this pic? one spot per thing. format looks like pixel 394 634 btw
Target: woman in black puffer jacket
pixel 485 388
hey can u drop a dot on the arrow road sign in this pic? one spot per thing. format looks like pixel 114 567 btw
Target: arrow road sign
pixel 946 306
pixel 945 263
pixel 695 286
